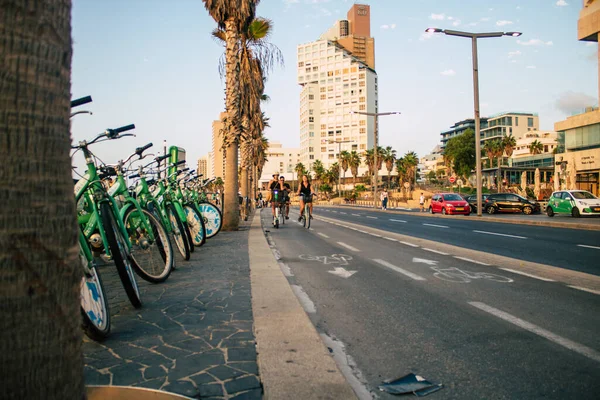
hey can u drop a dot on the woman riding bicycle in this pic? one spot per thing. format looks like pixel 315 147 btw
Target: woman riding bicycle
pixel 305 191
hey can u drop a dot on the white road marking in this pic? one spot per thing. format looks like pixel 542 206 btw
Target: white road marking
pixel 356 215
pixel 585 289
pixel 392 239
pixel 409 244
pixel 501 234
pixel 569 344
pixel 424 261
pixel 435 251
pixel 306 302
pixel 368 216
pixel 322 234
pixel 437 226
pixel 588 247
pixel 341 212
pixel 361 231
pixel 374 234
pixel 333 211
pixel 400 270
pixel 473 261
pixel 514 271
pixel 397 220
pixel 348 246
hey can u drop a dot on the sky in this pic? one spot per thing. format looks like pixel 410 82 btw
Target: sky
pixel 155 64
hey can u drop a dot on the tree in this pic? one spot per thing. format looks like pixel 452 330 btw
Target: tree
pixel 431 177
pixel 332 174
pixel 411 160
pixel 509 143
pixel 40 270
pixel 319 170
pixel 232 16
pixel 354 163
pixel 536 147
pixel 389 157
pixel 461 150
pixel 345 160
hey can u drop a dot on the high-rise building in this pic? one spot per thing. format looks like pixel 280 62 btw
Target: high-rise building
pixel 203 166
pixel 577 164
pixel 337 77
pixel 281 160
pixel 218 160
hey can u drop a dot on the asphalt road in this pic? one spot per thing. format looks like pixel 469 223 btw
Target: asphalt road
pixel 483 332
pixel 574 249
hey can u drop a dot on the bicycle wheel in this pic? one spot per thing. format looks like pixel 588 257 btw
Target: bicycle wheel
pixel 188 236
pixel 195 225
pixel 212 218
pixel 94 307
pixel 120 254
pixel 153 258
pixel 307 216
pixel 178 232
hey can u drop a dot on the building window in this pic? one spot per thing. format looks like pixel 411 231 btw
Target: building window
pixel 311 157
pixel 361 107
pixel 323 97
pixel 323 134
pixel 331 156
pixel 361 76
pixel 362 122
pixel 322 89
pixel 363 130
pixel 361 83
pixel 345 70
pixel 311 96
pixel 323 149
pixel 311 149
pixel 315 69
pixel 311 119
pixel 530 122
pixel 363 146
pixel 361 99
pixel 354 147
pixel 323 126
pixel 329 73
pixel 301 64
pixel 517 121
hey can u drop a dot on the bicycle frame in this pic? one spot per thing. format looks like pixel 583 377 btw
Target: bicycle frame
pixel 120 189
pixel 146 198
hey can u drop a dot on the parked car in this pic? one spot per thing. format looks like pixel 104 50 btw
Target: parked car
pixel 472 200
pixel 574 202
pixel 509 202
pixel 449 203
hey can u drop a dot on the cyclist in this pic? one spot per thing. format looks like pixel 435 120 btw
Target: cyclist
pixel 305 191
pixel 275 184
pixel 286 196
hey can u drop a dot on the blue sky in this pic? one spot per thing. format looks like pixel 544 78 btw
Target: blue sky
pixel 154 63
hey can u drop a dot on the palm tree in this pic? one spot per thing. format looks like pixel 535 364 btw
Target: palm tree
pixel 332 174
pixel 509 143
pixel 233 17
pixel 299 170
pixel 536 147
pixel 354 163
pixel 369 159
pixel 489 149
pixel 411 160
pixel 389 157
pixel 40 270
pixel 401 170
pixel 319 170
pixel 345 160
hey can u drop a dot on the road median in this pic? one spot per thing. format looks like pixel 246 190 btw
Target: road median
pixel 292 359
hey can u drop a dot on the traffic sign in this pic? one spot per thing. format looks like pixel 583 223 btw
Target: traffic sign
pixel 452 179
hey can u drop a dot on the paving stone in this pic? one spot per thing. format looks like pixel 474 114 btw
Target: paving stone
pixel 254 394
pixel 225 373
pixel 243 335
pixel 191 320
pixel 148 342
pixel 153 359
pixel 231 343
pixel 193 345
pixel 93 377
pixel 202 378
pixel 243 354
pixel 195 363
pixel 182 387
pixel 154 372
pixel 242 316
pixel 250 367
pixel 172 353
pixel 127 374
pixel 210 390
pixel 152 383
pixel 242 384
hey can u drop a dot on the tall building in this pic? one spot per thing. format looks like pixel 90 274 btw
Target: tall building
pixel 203 166
pixel 280 160
pixel 577 163
pixel 218 161
pixel 460 127
pixel 337 77
pixel 509 123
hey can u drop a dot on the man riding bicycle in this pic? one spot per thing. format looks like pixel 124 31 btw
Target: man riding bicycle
pixel 277 184
pixel 286 196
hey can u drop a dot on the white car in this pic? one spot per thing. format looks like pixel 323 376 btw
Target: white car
pixel 575 202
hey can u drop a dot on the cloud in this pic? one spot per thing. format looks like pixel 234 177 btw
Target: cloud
pixel 518 7
pixel 437 17
pixel 562 3
pixel 590 44
pixel 512 54
pixel 426 35
pixel 531 67
pixel 513 61
pixel 448 72
pixel 570 102
pixel 485 19
pixel 534 42
pixel 386 26
pixel 456 22
pixel 503 23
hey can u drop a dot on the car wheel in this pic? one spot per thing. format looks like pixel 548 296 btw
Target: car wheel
pixel 527 210
pixel 431 210
pixel 549 211
pixel 576 212
pixel 443 211
pixel 491 210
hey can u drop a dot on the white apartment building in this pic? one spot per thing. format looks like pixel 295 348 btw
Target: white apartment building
pixel 280 160
pixel 430 162
pixel 548 139
pixel 334 84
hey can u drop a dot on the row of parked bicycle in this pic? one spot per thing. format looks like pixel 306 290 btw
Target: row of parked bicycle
pixel 133 225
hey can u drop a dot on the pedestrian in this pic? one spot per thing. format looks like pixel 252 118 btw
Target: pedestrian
pixel 422 202
pixel 384 199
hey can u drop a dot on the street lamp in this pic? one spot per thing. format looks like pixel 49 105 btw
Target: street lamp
pixel 339 143
pixel 474 37
pixel 375 147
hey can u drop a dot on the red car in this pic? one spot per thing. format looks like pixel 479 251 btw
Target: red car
pixel 449 203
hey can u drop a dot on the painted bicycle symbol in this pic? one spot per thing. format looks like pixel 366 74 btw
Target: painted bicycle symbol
pixel 340 259
pixel 458 275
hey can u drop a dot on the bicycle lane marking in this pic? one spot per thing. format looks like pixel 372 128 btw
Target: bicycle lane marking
pixel 399 270
pixel 528 326
pixel 514 271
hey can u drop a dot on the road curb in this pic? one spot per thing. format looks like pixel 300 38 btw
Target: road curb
pixel 550 224
pixel 292 359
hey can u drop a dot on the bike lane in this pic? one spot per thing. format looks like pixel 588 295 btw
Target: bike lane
pixel 406 309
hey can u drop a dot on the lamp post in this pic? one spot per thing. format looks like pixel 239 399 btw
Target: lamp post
pixel 474 37
pixel 375 148
pixel 339 143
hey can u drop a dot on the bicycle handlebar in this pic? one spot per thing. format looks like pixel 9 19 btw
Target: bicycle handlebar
pixel 140 150
pixel 161 158
pixel 81 101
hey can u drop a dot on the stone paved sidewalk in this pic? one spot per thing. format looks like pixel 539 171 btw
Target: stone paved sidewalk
pixel 194 334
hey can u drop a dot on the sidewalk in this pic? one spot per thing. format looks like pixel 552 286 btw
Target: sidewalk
pixel 558 221
pixel 197 334
pixel 194 334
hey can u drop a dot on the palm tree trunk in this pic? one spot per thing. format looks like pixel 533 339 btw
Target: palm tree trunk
pixel 40 273
pixel 231 218
pixel 244 182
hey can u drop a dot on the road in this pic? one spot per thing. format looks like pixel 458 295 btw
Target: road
pixel 397 308
pixel 573 249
